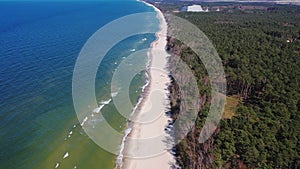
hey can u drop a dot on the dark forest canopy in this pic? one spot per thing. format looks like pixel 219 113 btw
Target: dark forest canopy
pixel 260 50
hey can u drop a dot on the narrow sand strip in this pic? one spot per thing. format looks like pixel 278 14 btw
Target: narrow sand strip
pixel 148 144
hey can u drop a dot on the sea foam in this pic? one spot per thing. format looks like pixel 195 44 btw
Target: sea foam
pixel 84 120
pixel 56 165
pixel 66 155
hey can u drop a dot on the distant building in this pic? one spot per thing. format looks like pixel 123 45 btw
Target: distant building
pixel 195 8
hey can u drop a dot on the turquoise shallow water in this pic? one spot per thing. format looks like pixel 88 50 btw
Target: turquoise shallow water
pixel 39 45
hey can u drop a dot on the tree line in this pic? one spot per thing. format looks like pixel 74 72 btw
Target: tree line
pixel 260 51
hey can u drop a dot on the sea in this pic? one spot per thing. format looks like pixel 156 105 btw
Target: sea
pixel 39 44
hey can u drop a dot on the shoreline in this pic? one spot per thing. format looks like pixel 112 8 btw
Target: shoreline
pixel 157 80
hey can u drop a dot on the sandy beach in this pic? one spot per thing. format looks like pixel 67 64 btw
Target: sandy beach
pixel 148 143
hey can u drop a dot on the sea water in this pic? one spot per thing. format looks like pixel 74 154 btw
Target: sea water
pixel 39 44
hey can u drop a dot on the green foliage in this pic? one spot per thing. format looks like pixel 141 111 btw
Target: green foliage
pixel 262 67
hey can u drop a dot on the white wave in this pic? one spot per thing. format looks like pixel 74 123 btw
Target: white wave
pixel 75 167
pixel 144 39
pixel 71 132
pixel 97 110
pixel 132 50
pixel 101 106
pixel 128 130
pixel 84 120
pixel 69 136
pixel 106 102
pixel 114 94
pixel 74 126
pixel 120 156
pixel 56 165
pixel 66 155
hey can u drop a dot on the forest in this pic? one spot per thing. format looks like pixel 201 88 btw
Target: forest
pixel 260 50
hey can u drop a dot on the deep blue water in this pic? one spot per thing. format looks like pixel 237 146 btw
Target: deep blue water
pixel 39 45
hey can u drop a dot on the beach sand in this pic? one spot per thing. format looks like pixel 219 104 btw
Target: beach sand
pixel 148 144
